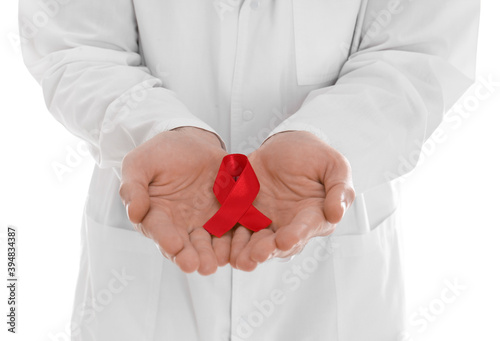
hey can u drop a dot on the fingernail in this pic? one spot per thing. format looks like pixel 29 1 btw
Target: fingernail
pixel 343 204
pixel 126 209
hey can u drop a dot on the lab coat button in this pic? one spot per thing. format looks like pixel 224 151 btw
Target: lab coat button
pixel 248 115
pixel 255 4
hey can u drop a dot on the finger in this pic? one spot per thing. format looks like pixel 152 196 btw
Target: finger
pixel 296 249
pixel 241 237
pixel 187 259
pixel 158 226
pixel 202 242
pixel 222 247
pixel 244 261
pixel 305 225
pixel 338 199
pixel 263 248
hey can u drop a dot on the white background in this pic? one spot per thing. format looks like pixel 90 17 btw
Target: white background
pixel 451 206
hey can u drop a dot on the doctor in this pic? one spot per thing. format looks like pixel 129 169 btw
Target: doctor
pixel 327 96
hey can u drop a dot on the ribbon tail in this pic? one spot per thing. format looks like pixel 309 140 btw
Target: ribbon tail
pixel 254 220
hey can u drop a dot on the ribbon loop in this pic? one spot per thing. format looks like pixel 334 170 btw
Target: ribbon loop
pixel 236 187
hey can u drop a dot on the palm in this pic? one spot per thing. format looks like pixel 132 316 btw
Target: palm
pixel 305 189
pixel 186 197
pixel 166 187
pixel 285 195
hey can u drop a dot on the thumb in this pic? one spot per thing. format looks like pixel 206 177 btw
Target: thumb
pixel 339 192
pixel 135 197
pixel 134 187
pixel 338 199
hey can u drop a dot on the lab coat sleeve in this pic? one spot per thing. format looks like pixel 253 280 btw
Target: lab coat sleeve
pixel 410 62
pixel 85 54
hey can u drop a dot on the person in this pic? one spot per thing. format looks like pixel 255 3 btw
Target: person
pixel 330 99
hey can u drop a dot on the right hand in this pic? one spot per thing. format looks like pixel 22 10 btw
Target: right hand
pixel 167 189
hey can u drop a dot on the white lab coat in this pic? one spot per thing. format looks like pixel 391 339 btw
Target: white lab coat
pixel 370 77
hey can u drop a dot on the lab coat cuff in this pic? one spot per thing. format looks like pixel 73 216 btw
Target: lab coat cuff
pixel 133 122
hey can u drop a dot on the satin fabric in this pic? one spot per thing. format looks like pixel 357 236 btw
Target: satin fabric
pixel 236 197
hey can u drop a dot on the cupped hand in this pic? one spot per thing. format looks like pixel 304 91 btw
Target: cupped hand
pixel 167 190
pixel 305 189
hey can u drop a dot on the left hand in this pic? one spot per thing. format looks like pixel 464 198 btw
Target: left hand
pixel 305 189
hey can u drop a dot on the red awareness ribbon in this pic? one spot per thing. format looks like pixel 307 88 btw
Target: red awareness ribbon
pixel 236 197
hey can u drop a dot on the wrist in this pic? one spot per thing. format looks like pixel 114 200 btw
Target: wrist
pixel 202 134
pixel 285 134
